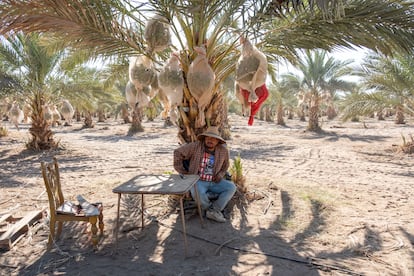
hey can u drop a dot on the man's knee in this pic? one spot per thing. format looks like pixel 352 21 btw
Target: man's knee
pixel 232 186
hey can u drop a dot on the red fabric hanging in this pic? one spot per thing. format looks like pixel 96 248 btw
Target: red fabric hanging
pixel 262 94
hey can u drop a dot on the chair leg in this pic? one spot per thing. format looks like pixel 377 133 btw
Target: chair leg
pixel 94 230
pixel 101 224
pixel 59 230
pixel 52 226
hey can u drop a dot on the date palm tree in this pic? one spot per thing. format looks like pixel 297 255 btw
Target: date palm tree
pixel 283 97
pixel 85 89
pixel 33 65
pixel 389 84
pixel 320 76
pixel 280 28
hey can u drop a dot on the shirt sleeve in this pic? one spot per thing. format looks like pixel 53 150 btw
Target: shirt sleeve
pixel 180 154
pixel 224 159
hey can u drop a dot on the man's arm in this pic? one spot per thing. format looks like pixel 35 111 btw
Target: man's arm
pixel 180 154
pixel 224 154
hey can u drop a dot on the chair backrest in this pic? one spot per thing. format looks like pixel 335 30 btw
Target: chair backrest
pixel 51 177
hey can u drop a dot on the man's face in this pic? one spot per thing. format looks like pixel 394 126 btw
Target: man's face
pixel 210 142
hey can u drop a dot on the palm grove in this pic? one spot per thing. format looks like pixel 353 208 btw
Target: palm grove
pixel 45 42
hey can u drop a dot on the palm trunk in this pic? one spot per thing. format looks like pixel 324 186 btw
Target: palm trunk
pixel 261 114
pixel 101 116
pixel 268 114
pixel 331 112
pixel 355 119
pixel 290 114
pixel 301 113
pixel 42 136
pixel 313 123
pixel 215 115
pixel 88 122
pixel 399 116
pixel 279 115
pixel 136 125
pixel 78 115
pixel 125 114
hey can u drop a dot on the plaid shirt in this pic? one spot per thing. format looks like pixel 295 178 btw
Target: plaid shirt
pixel 194 152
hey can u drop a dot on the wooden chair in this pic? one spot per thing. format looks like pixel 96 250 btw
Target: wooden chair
pixel 61 210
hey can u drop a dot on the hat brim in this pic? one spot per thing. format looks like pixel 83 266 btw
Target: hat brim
pixel 201 136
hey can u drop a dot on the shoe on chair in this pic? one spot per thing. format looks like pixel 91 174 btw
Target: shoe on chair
pixel 215 215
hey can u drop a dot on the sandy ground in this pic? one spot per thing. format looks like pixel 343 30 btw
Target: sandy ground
pixel 334 203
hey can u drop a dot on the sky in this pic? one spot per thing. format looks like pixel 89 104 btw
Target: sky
pixel 347 54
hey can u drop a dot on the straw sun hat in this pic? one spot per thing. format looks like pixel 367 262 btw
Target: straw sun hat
pixel 211 131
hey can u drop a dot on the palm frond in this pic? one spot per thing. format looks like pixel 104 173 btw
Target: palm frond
pixel 383 26
pixel 363 104
pixel 9 85
pixel 330 8
pixel 390 76
pixel 99 25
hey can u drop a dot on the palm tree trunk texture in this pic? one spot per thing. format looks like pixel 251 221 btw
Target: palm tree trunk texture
pixel 399 116
pixel 279 115
pixel 313 123
pixel 136 125
pixel 42 135
pixel 261 114
pixel 380 116
pixel 78 115
pixel 301 114
pixel 331 112
pixel 125 114
pixel 268 114
pixel 101 116
pixel 215 115
pixel 88 122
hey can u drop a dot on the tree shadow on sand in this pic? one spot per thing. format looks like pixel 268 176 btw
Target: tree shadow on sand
pixel 73 253
pixel 231 248
pixel 358 259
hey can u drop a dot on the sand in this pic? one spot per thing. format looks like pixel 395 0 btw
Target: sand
pixel 332 203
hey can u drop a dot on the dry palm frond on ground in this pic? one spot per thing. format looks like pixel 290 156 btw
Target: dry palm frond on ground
pixel 407 147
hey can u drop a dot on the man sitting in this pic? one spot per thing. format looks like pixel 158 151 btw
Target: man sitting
pixel 209 158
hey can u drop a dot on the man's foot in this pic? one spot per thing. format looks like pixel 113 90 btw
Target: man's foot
pixel 215 215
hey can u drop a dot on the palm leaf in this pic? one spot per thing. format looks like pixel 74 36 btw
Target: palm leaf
pixel 392 77
pixel 95 25
pixel 364 104
pixel 383 26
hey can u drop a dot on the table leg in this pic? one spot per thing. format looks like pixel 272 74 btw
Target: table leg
pixel 142 210
pixel 117 220
pixel 183 222
pixel 198 205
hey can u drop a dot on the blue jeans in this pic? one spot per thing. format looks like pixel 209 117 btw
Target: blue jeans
pixel 224 189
